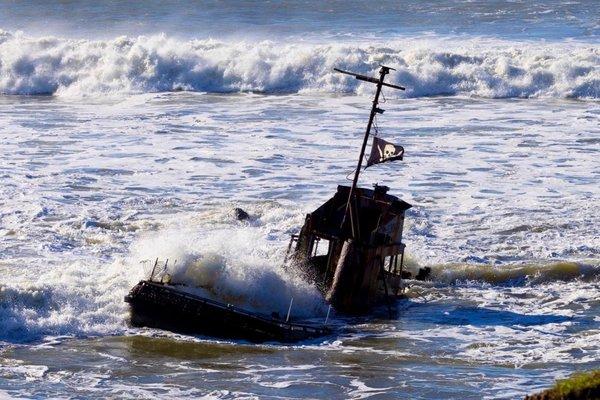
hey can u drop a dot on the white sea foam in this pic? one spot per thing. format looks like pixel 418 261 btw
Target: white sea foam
pixel 239 264
pixel 477 67
pixel 71 249
pixel 71 300
pixel 210 252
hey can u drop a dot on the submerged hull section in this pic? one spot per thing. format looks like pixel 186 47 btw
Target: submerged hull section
pixel 164 306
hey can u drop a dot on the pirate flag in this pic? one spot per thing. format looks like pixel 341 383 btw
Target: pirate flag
pixel 383 151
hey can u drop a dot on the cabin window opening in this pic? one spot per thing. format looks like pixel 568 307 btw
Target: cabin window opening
pixel 390 264
pixel 320 247
pixel 320 259
pixel 387 264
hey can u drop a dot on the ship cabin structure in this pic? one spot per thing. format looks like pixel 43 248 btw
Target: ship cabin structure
pixel 353 252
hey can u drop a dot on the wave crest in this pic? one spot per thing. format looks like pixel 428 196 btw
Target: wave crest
pixel 158 63
pixel 516 274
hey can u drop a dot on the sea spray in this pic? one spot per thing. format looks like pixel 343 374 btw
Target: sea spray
pixel 209 251
pixel 72 299
pixel 428 67
pixel 231 265
pixel 237 262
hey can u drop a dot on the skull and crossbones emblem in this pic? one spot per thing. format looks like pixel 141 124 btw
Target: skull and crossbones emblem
pixel 388 151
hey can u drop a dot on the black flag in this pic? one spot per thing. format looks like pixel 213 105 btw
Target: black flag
pixel 383 151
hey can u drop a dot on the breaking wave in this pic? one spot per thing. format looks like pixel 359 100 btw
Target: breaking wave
pixel 75 300
pixel 516 274
pixel 229 267
pixel 89 301
pixel 235 262
pixel 475 67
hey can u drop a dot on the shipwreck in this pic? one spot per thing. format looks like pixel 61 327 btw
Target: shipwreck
pixel 350 247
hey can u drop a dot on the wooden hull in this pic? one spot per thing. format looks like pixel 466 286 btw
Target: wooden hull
pixel 164 306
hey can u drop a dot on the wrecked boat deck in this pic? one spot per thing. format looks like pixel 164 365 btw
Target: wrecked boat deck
pixel 161 305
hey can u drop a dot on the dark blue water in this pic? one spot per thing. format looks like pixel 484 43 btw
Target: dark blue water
pixel 314 20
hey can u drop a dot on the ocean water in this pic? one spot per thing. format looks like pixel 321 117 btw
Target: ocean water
pixel 131 131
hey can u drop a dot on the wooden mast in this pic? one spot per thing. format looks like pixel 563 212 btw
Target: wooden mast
pixel 374 110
